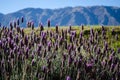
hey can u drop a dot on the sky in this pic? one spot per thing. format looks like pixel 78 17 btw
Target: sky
pixel 8 6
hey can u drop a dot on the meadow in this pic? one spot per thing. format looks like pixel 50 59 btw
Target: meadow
pixel 59 53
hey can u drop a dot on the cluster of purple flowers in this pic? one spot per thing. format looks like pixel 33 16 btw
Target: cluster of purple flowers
pixel 57 55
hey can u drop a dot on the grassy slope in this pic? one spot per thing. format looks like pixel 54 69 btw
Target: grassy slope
pixel 111 38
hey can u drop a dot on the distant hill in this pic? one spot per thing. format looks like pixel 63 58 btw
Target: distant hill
pixel 93 15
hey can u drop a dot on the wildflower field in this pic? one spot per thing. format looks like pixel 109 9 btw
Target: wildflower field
pixel 59 53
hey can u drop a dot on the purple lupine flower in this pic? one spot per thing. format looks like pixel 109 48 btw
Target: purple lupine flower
pixel 44 69
pixel 18 29
pixel 16 39
pixel 15 25
pixel 45 52
pixel 81 34
pixel 32 55
pixel 82 27
pixel 64 57
pixel 11 26
pixel 49 45
pixel 43 34
pixel 56 46
pixel 68 78
pixel 75 62
pixel 118 50
pixel 106 46
pixel 0 44
pixel 41 27
pixel 11 44
pixel 70 28
pixel 112 66
pixel 39 47
pixel 10 35
pixel 27 51
pixel 70 60
pixel 89 67
pixel 32 25
pixel 103 34
pixel 65 44
pixel 19 54
pixel 51 34
pixel 79 61
pixel 56 28
pixel 103 28
pixel 21 43
pixel 33 62
pixel 96 35
pixel 26 40
pixel 61 40
pixel 69 49
pixel 91 32
pixel 94 48
pixel 22 19
pixel 71 38
pixel 98 50
pixel 103 63
pixel 22 32
pixel 73 33
pixel 62 32
pixel 48 23
pixel 18 21
pixel 29 24
pixel 113 32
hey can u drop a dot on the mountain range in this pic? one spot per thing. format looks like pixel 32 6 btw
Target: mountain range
pixel 92 15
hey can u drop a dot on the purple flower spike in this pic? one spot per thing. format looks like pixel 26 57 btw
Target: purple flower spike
pixel 14 24
pixel 70 28
pixel 11 26
pixel 27 50
pixel 32 25
pixel 39 47
pixel 56 46
pixel 22 19
pixel 16 39
pixel 48 23
pixel 81 34
pixel 70 60
pixel 98 50
pixel 82 27
pixel 33 55
pixel 44 69
pixel 89 67
pixel 56 28
pixel 33 62
pixel 118 50
pixel 0 43
pixel 49 46
pixel 68 78
pixel 41 27
pixel 10 35
pixel 18 21
pixel 64 57
pixel 26 40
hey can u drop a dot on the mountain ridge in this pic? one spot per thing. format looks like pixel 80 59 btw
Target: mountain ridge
pixel 91 15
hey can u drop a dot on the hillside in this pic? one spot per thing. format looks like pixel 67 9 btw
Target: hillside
pixel 94 15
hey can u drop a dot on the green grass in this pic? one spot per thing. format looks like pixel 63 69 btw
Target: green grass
pixel 110 38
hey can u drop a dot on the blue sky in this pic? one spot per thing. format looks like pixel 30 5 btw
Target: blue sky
pixel 8 6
